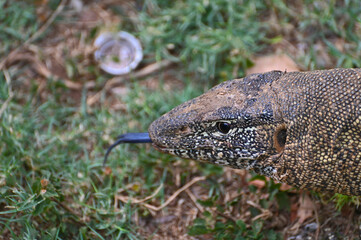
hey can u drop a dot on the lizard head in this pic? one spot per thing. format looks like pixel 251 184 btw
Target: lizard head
pixel 233 124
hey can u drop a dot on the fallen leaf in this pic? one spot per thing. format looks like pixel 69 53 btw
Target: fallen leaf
pixel 285 187
pixel 107 171
pixel 257 183
pixel 305 209
pixel 44 182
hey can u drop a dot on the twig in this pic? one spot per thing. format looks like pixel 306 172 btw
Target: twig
pixel 265 213
pixel 235 197
pixel 137 201
pixel 226 216
pixel 194 200
pixel 64 206
pixel 41 69
pixel 151 68
pixel 117 80
pixel 153 195
pixel 317 219
pixel 36 34
pixel 47 23
pixel 169 200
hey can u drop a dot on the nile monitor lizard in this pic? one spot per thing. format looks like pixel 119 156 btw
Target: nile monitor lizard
pixel 301 128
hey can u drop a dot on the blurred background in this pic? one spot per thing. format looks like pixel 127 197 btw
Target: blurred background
pixel 59 112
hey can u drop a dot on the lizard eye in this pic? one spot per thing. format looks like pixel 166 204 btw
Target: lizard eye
pixel 223 127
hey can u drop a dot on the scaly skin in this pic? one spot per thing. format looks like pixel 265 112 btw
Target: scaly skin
pixel 301 128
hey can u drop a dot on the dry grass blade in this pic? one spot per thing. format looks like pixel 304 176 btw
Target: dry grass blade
pixel 37 33
pixel 48 22
pixel 41 69
pixel 166 203
pixel 139 74
pixel 11 94
pixel 137 201
pixel 265 213
pixel 151 68
pixel 194 200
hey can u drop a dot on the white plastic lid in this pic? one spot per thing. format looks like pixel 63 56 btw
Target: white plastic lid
pixel 118 53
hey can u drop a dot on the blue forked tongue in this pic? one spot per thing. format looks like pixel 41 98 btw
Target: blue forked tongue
pixel 128 138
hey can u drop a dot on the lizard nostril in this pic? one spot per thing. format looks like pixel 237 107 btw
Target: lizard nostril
pixel 279 138
pixel 184 130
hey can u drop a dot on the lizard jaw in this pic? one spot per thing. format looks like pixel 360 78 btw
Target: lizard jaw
pixel 160 148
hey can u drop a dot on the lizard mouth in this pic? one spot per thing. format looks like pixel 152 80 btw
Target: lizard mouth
pixel 168 149
pixel 162 148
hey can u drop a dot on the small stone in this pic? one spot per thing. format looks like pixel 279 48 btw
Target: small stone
pixel 311 227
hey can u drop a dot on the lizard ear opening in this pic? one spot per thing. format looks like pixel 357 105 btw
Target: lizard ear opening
pixel 279 138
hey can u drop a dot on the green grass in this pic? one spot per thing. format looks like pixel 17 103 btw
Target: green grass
pixel 52 183
pixel 16 26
